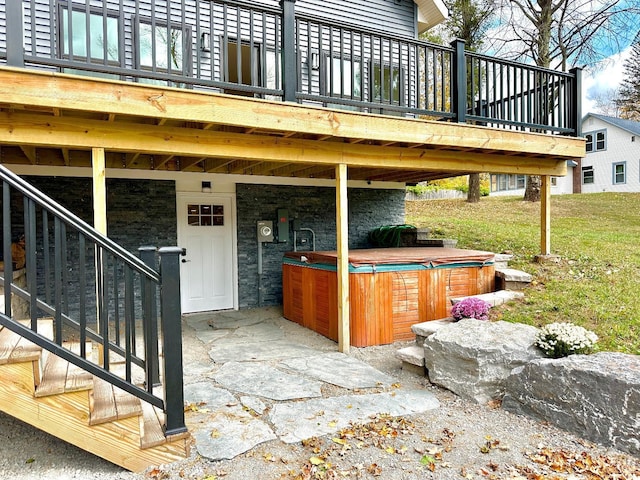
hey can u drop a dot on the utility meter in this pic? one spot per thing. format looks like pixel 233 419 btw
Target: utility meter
pixel 265 231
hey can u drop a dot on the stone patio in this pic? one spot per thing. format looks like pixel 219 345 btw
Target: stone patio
pixel 251 376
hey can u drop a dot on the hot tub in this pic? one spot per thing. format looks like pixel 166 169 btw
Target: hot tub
pixel 390 289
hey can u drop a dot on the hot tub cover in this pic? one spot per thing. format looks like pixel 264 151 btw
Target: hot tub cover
pixel 428 256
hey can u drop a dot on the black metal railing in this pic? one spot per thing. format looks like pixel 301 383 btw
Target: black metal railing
pixel 98 295
pixel 238 47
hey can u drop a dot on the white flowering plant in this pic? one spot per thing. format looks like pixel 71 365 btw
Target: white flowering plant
pixel 559 340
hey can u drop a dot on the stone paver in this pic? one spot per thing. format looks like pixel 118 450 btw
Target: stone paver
pixel 231 432
pixel 266 381
pixel 257 351
pixel 206 394
pixel 297 421
pixel 254 404
pixel 339 369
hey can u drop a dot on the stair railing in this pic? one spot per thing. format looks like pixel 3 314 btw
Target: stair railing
pixel 98 294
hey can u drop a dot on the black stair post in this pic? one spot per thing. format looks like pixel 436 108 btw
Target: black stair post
pixel 172 333
pixel 150 319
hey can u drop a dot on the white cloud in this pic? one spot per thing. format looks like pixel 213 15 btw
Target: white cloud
pixel 606 76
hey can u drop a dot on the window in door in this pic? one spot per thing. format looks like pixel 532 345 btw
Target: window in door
pixel 89 35
pixel 162 48
pixel 205 215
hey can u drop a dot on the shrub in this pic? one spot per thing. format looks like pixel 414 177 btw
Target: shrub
pixel 559 340
pixel 471 307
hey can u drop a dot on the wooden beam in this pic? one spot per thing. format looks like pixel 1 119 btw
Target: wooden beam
pixel 65 132
pixel 30 153
pixel 161 160
pixel 66 157
pixel 545 215
pixel 55 90
pixel 99 190
pixel 342 230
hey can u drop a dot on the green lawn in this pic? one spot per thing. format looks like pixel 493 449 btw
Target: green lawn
pixel 597 282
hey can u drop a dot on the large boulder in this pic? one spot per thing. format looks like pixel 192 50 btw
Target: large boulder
pixel 473 358
pixel 595 396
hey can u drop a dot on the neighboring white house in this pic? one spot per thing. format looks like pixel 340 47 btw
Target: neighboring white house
pixel 512 184
pixel 612 163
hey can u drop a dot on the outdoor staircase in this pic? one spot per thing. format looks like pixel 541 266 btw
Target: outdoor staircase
pixel 49 393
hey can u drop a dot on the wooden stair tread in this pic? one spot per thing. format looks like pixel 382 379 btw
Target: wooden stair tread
pixel 151 431
pixel 8 341
pixel 60 376
pixel 14 349
pixel 109 403
pixel 54 377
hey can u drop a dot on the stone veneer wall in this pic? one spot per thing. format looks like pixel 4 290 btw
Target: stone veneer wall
pixel 309 207
pixel 139 212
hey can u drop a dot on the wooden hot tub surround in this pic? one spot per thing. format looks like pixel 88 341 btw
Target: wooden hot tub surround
pixel 390 289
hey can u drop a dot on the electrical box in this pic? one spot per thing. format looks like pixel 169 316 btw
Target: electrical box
pixel 283 225
pixel 265 231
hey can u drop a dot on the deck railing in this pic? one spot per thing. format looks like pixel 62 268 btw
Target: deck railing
pixel 259 50
pixel 103 300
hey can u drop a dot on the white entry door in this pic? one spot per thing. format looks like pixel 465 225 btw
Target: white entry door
pixel 206 230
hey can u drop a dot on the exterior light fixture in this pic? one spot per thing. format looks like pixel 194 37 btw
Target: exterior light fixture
pixel 205 41
pixel 314 61
pixel 206 187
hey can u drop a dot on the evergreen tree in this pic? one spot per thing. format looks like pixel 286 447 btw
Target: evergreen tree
pixel 629 99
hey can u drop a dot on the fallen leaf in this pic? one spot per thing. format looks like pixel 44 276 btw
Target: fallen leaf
pixel 316 461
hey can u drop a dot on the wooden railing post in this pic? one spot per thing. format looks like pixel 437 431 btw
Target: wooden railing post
pixel 576 101
pixel 459 82
pixel 172 333
pixel 15 48
pixel 289 56
pixel 150 318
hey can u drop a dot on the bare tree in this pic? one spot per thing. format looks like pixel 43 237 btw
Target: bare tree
pixel 565 33
pixel 469 20
pixel 606 102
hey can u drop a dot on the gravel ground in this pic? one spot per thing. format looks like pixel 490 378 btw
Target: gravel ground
pixel 458 440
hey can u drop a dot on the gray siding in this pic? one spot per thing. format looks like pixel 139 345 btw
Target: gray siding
pixel 309 207
pixel 384 15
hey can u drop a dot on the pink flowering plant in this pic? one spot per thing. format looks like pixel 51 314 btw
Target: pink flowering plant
pixel 471 307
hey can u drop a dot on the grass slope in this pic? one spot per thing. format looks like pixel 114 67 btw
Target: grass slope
pixel 596 284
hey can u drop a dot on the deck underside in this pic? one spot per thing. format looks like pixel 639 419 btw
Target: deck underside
pixel 52 119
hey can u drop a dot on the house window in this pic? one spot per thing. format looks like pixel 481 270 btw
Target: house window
pixel 87 35
pixel 162 48
pixel 504 182
pixel 385 84
pixel 596 141
pixel 554 181
pixel 343 77
pixel 587 175
pixel 619 173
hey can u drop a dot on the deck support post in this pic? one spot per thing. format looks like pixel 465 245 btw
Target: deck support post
pixel 342 230
pixel 15 34
pixel 100 224
pixel 170 317
pixel 545 216
pixel 99 190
